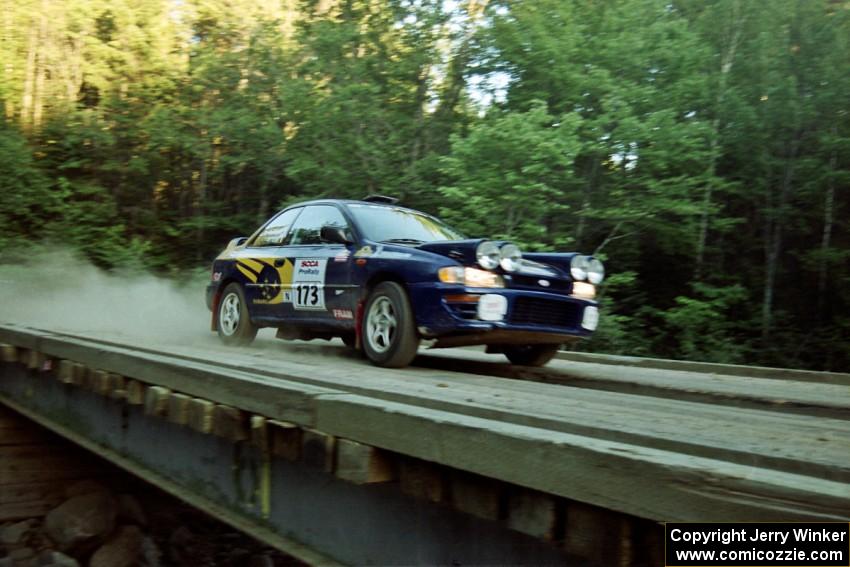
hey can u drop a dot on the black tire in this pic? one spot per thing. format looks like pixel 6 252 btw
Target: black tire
pixel 531 355
pixel 233 323
pixel 397 346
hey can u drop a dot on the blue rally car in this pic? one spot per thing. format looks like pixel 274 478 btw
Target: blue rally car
pixel 384 278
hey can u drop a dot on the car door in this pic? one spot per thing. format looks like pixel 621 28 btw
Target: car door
pixel 320 287
pixel 263 266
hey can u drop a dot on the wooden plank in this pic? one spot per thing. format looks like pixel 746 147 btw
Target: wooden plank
pixel 35 360
pixel 200 415
pixel 99 381
pixel 31 463
pixel 259 432
pixel 363 464
pixel 476 495
pixel 135 393
pixel 317 450
pixel 24 510
pixel 230 423
pixel 422 479
pixel 597 534
pixel 117 386
pixel 178 408
pixel 534 513
pixel 24 434
pixel 22 492
pixel 71 372
pixel 24 356
pixel 156 401
pixel 8 353
pixel 285 439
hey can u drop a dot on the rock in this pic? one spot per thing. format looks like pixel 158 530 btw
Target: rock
pixel 124 549
pixel 82 519
pixel 151 554
pixel 261 560
pixel 56 559
pixel 13 534
pixel 21 554
pixel 84 487
pixel 131 511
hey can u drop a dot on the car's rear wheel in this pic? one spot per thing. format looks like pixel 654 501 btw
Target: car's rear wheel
pixel 531 355
pixel 388 329
pixel 233 322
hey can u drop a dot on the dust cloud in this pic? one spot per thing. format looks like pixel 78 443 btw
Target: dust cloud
pixel 59 291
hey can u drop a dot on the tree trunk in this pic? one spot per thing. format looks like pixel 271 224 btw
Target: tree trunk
pixel 826 236
pixel 773 242
pixel 29 76
pixel 8 68
pixel 40 67
pixel 728 59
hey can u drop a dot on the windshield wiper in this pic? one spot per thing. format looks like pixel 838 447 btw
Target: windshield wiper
pixel 412 241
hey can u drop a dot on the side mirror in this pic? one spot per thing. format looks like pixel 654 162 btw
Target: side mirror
pixel 334 234
pixel 237 242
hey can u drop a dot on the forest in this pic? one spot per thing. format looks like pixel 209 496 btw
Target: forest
pixel 701 148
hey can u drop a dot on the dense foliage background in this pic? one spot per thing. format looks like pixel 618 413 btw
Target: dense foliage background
pixel 702 147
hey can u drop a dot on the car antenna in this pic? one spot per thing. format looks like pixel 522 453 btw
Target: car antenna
pixel 381 199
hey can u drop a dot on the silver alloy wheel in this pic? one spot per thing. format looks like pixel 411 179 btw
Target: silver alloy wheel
pixel 228 314
pixel 381 324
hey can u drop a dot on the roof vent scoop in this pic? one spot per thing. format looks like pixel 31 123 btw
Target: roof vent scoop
pixel 381 199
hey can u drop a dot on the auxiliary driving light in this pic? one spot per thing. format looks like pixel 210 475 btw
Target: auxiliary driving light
pixel 595 271
pixel 511 257
pixel 488 255
pixel 578 267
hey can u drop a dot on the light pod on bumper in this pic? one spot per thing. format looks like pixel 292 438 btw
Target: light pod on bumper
pixel 511 257
pixel 488 255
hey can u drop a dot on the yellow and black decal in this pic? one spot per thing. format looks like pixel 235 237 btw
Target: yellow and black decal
pixel 271 275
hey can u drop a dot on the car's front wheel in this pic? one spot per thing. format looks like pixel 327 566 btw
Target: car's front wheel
pixel 531 355
pixel 388 328
pixel 233 322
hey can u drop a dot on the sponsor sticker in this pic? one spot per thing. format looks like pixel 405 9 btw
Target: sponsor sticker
pixel 216 277
pixel 342 256
pixel 364 251
pixel 343 314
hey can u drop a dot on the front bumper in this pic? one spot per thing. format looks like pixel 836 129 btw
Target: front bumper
pixel 531 316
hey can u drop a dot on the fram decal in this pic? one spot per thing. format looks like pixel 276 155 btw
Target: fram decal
pixel 343 314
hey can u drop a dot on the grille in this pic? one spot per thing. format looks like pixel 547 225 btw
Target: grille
pixel 544 312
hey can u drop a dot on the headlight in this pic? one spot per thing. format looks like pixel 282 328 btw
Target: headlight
pixel 578 267
pixel 470 277
pixel 595 271
pixel 488 255
pixel 511 257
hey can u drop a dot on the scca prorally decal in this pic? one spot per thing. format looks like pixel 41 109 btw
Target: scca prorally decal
pixel 308 283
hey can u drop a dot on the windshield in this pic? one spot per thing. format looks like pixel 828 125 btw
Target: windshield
pixel 394 224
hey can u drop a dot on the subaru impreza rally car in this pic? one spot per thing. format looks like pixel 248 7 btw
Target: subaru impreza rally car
pixel 384 278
